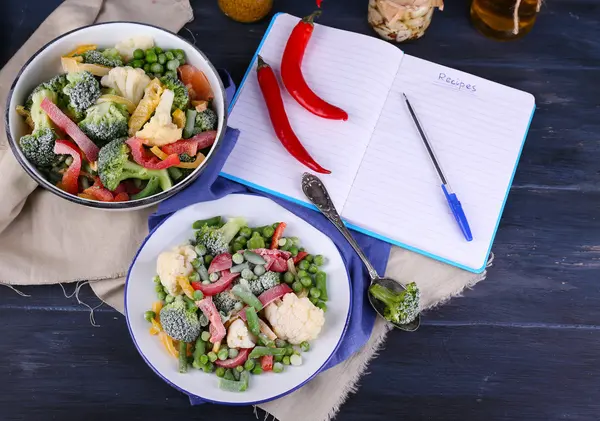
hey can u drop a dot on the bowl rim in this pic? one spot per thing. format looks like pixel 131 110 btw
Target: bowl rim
pixel 132 204
pixel 226 403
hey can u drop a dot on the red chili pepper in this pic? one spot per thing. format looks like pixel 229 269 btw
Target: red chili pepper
pixel 300 256
pixel 319 2
pixel 279 119
pixel 267 362
pixel 293 79
pixel 277 235
pixel 70 180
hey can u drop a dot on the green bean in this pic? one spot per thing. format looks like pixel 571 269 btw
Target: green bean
pixel 222 354
pixel 280 343
pixel 305 346
pixel 321 284
pixel 286 360
pixel 203 359
pixel 289 350
pixel 190 120
pixel 319 260
pixel 220 371
pixel 238 246
pixel 200 249
pixel 297 287
pixel 254 258
pixel 249 364
pixel 238 258
pixel 265 341
pixel 277 367
pixel 183 364
pixel 228 375
pixel 211 222
pixel 196 263
pixel 315 292
pixel 236 374
pixel 208 367
pixel 246 296
pixel 194 277
pixel 212 356
pixel 238 268
pixel 149 315
pixel 199 349
pixel 252 320
pixel 197 365
pixel 207 259
pixel 175 173
pixel 261 351
pixel 198 295
pixel 313 269
pixel 203 272
pixel 230 385
pixel 238 306
pixel 259 270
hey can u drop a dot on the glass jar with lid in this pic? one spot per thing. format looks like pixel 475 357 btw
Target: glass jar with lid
pixel 246 11
pixel 402 20
pixel 504 19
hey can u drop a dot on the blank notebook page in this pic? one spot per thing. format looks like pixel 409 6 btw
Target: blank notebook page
pixel 477 130
pixel 349 70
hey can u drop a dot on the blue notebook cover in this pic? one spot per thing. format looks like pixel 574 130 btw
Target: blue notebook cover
pixel 251 71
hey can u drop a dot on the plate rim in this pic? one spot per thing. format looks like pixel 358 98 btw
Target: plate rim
pixel 228 403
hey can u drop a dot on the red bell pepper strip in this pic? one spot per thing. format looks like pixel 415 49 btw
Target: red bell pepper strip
pixel 300 256
pixel 192 145
pixel 217 329
pixel 70 180
pixel 142 157
pixel 130 187
pixel 121 197
pixel 221 262
pixel 121 188
pixel 266 362
pixel 221 285
pixel 274 293
pixel 69 127
pixel 291 72
pixel 279 119
pixel 99 192
pixel 277 235
pixel 234 362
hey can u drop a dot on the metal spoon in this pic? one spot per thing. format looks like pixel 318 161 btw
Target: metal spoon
pixel 316 192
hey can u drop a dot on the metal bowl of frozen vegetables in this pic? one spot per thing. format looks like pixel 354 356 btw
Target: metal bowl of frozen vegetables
pixel 46 63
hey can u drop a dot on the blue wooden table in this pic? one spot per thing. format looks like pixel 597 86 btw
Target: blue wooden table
pixel 523 345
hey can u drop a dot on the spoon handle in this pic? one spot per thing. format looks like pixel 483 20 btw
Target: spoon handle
pixel 316 192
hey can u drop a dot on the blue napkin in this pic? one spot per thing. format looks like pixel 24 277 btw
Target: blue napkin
pixel 209 186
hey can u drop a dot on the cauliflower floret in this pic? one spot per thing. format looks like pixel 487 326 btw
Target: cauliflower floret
pixel 295 319
pixel 173 263
pixel 161 130
pixel 238 335
pixel 128 46
pixel 128 82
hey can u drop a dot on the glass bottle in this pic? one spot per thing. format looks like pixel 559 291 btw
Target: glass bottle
pixel 401 20
pixel 246 11
pixel 504 19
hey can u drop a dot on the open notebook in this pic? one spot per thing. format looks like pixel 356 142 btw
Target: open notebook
pixel 383 182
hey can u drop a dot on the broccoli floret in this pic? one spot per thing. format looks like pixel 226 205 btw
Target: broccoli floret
pixel 216 239
pixel 205 121
pixel 179 322
pixel 225 301
pixel 400 307
pixel 182 97
pixel 38 147
pixel 56 85
pixel 263 282
pixel 82 90
pixel 105 122
pixel 114 166
pixel 109 57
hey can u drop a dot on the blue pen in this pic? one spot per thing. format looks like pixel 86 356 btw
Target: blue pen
pixel 453 202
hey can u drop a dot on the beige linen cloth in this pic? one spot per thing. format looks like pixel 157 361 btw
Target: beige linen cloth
pixel 47 240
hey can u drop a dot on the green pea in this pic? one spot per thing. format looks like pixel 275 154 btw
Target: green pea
pixel 246 232
pixel 288 278
pixel 169 55
pixel 239 368
pixel 238 258
pixel 278 358
pixel 249 364
pixel 305 346
pixel 238 246
pixel 198 295
pixel 319 260
pixel 314 300
pixel 179 54
pixel 320 277
pixel 220 371
pixel 156 279
pixel 304 265
pixel 309 258
pixel 171 73
pixel 294 251
pixel 280 343
pixel 139 54
pixel 169 299
pixel 212 356
pixel 162 59
pixel 157 68
pixel 158 50
pixel 228 375
pixel 223 354
pixel 315 293
pixel 259 270
pixel 161 296
pixel 286 360
pixel 203 359
pixel 313 269
pixel 147 67
pixel 306 281
pixel 172 64
pixel 151 56
pixel 257 370
pixel 233 352
pixel 275 225
pixel 196 263
pixel 289 350
pixel 137 64
pixel 208 368
pixel 297 287
pixel 302 273
pixel 158 288
pixel 207 259
pixel 194 277
pixel 149 315
pixel 277 367
pixel 268 232
pixel 322 305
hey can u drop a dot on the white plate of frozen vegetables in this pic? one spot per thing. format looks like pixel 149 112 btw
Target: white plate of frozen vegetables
pixel 237 301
